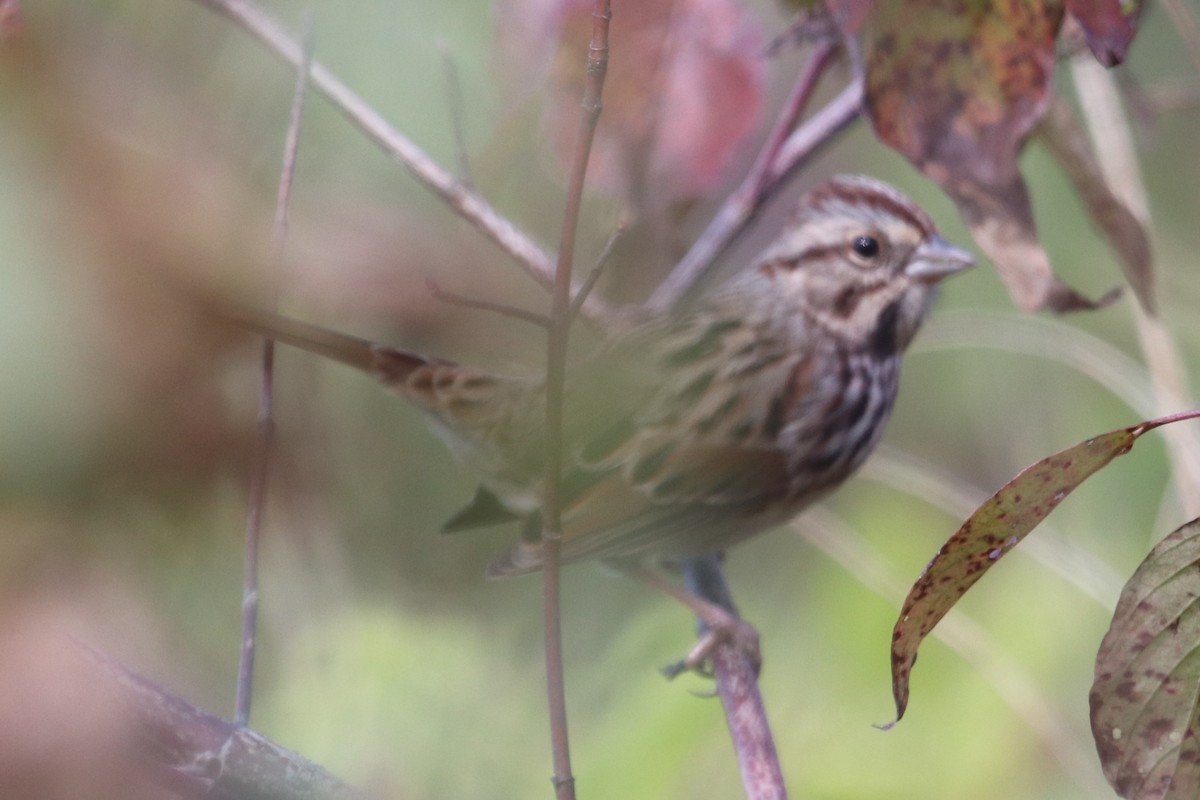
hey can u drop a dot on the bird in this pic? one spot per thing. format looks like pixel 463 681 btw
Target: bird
pixel 695 431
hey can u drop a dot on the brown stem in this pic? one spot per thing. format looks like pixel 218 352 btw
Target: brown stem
pixel 466 203
pixel 589 283
pixel 556 368
pixel 784 151
pixel 453 298
pixel 737 685
pixel 266 420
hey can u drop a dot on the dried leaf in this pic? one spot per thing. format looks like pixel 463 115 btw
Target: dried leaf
pixel 1001 221
pixel 957 87
pixel 995 528
pixel 1144 699
pixel 1108 26
pixel 1063 137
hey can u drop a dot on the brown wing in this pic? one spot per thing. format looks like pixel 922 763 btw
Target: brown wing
pixel 698 467
pixel 677 501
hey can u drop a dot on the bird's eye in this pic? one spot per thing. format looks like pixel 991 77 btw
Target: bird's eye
pixel 865 247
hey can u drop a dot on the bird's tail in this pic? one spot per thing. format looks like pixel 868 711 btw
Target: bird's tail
pixel 389 364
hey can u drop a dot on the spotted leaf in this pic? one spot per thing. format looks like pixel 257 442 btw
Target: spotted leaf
pixel 995 528
pixel 1145 713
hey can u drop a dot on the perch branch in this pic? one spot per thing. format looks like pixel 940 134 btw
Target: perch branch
pixel 737 685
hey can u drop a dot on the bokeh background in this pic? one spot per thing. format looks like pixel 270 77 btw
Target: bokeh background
pixel 139 152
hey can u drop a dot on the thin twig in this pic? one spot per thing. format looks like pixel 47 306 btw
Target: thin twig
pixel 447 296
pixel 458 118
pixel 784 152
pixel 556 372
pixel 467 204
pixel 589 283
pixel 266 420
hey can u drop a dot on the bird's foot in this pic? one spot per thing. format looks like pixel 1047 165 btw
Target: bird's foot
pixel 723 630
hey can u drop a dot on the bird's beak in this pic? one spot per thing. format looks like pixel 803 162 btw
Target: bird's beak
pixel 936 259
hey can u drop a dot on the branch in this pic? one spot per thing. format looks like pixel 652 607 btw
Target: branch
pixel 561 315
pixel 266 419
pixel 466 203
pixel 783 154
pixel 206 756
pixel 737 684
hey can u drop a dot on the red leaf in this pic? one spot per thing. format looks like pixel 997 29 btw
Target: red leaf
pixel 996 527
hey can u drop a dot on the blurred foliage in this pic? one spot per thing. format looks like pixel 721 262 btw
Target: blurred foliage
pixel 139 149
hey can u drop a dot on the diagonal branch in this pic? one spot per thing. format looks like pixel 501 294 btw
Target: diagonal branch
pixel 785 151
pixel 466 203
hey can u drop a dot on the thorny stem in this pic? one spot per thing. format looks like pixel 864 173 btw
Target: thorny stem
pixel 785 150
pixel 266 419
pixel 556 367
pixel 466 203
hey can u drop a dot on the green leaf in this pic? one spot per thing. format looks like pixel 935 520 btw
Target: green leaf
pixel 996 527
pixel 1144 699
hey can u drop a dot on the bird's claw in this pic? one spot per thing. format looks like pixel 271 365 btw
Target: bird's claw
pixel 728 630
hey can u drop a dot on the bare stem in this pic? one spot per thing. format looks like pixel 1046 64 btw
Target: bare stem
pixel 266 420
pixel 458 117
pixel 466 203
pixel 453 298
pixel 589 283
pixel 784 151
pixel 556 371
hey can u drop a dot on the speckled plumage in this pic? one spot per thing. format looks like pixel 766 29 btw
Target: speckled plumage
pixel 693 433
